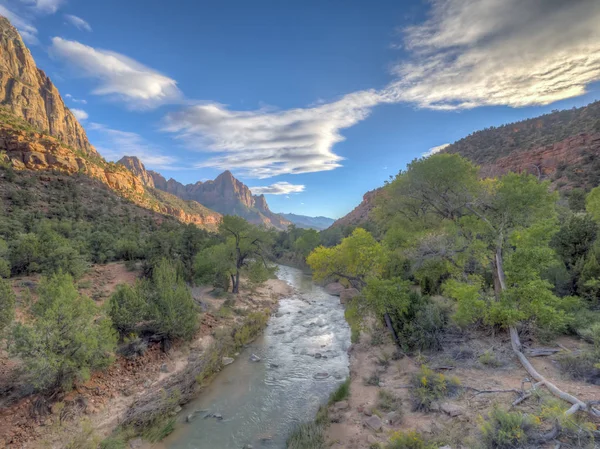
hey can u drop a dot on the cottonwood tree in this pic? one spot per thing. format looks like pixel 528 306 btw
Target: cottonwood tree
pixel 246 245
pixel 503 224
pixel 357 258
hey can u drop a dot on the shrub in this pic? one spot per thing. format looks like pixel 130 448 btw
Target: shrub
pixel 7 305
pixel 306 436
pixel 584 366
pixel 163 304
pixel 489 359
pixel 408 440
pixel 67 338
pixel 429 386
pixel 388 402
pixel 507 430
pixel 342 392
pixel 372 380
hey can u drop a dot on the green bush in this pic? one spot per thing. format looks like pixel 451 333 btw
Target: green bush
pixel 429 386
pixel 164 305
pixel 408 440
pixel 7 305
pixel 67 338
pixel 507 430
pixel 342 392
pixel 388 402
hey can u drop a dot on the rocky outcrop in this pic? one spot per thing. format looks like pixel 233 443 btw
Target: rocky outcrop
pixel 577 154
pixel 28 93
pixel 35 151
pixel 361 213
pixel 136 167
pixel 226 195
pixel 27 150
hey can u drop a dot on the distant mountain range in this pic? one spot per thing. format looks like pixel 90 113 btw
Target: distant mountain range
pixel 306 222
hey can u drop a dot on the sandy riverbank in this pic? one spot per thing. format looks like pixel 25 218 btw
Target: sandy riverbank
pixel 94 409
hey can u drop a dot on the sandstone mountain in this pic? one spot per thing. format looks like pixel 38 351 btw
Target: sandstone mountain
pixel 306 222
pixel 361 213
pixel 225 194
pixel 28 93
pixel 39 133
pixel 562 147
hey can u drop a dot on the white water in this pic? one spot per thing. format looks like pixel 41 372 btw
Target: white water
pixel 262 402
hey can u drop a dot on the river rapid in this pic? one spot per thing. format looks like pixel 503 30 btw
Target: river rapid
pixel 303 358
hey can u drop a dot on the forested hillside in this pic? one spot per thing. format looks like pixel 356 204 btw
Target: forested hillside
pixel 479 277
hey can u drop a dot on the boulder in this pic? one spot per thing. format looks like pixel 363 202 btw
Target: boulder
pixel 374 423
pixel 335 288
pixel 451 409
pixel 393 418
pixel 227 361
pixel 341 405
pixel 321 376
pixel 254 358
pixel 348 294
pixel 136 444
pixel 372 440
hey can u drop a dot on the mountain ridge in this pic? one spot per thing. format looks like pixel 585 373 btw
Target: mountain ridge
pixel 225 194
pixel 562 147
pixel 307 222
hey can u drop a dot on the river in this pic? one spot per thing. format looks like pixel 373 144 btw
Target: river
pixel 261 402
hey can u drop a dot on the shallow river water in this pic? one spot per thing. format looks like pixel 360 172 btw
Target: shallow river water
pixel 261 402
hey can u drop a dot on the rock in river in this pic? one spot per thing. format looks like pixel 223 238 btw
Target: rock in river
pixel 320 376
pixel 254 358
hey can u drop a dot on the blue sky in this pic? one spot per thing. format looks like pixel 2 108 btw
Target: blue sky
pixel 315 101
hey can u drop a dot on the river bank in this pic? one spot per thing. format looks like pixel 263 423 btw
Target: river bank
pixel 93 410
pixel 380 401
pixel 303 358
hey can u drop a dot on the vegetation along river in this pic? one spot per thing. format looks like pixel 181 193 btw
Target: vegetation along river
pixel 303 358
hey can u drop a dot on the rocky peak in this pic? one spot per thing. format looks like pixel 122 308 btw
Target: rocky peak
pixel 260 202
pixel 136 167
pixel 28 93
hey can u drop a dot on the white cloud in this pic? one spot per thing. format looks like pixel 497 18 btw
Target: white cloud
pixel 279 188
pixel 78 22
pixel 472 53
pixel 45 6
pixel 468 53
pixel 264 143
pixel 75 100
pixel 435 150
pixel 26 29
pixel 113 144
pixel 119 77
pixel 80 114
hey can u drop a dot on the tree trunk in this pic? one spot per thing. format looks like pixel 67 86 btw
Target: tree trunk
pixel 232 283
pixel 388 323
pixel 517 349
pixel 236 283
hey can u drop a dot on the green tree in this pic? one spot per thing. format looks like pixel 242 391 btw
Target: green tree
pixel 357 258
pixel 171 305
pixel 504 226
pixel 67 338
pixel 162 305
pixel 248 245
pixel 308 241
pixel 215 265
